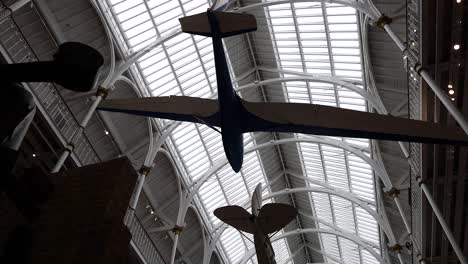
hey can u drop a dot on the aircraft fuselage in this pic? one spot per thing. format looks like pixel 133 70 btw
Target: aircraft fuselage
pixel 230 107
pixel 263 248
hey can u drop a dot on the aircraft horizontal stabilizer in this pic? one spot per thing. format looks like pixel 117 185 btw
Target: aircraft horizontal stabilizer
pixel 274 216
pixel 180 108
pixel 230 24
pixel 236 217
pixel 332 121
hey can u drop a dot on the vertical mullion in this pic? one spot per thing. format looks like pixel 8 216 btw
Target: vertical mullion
pixel 122 32
pixel 330 54
pixel 329 199
pixel 353 207
pixel 163 45
pixel 301 52
pixel 275 47
pixel 198 51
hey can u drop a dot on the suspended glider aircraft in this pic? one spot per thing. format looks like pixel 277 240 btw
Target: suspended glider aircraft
pixel 236 116
pixel 264 220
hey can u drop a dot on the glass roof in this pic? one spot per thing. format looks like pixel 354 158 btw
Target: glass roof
pixel 307 37
pixel 327 42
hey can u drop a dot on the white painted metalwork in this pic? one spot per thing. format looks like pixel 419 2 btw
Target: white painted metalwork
pixel 169 50
pixel 325 189
pixel 326 141
pixel 351 237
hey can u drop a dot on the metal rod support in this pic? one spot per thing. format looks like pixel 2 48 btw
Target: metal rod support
pixel 408 229
pixel 174 247
pixel 457 115
pixel 442 222
pixel 83 124
pixel 137 191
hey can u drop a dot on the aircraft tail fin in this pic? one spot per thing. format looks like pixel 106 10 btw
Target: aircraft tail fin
pixel 230 24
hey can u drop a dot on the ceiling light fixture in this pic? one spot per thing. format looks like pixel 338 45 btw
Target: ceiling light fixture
pixel 450 86
pixel 106 132
pixel 451 92
pixel 34 155
pixel 456 46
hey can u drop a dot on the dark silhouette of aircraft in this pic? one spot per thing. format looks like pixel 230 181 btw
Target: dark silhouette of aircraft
pixel 75 66
pixel 264 220
pixel 236 116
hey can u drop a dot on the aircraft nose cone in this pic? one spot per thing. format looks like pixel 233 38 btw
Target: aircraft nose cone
pixel 235 160
pixel 236 165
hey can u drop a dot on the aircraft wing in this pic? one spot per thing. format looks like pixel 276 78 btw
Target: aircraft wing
pixel 332 121
pixel 236 217
pixel 274 216
pixel 180 108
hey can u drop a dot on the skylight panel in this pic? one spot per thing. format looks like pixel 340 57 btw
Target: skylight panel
pixel 343 211
pixel 330 246
pixel 328 43
pixel 232 242
pixel 350 251
pixel 212 197
pixel 184 65
pixel 281 250
pixel 193 7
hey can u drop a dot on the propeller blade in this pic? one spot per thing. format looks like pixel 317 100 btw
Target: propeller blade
pixel 236 217
pixel 274 216
pixel 257 199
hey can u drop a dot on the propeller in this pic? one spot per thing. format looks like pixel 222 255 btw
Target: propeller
pixel 75 66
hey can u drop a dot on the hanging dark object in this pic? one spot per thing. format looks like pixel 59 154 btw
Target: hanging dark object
pixel 235 116
pixel 17 110
pixel 263 221
pixel 75 67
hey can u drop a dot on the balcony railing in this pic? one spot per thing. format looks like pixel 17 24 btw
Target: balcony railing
pixel 16 50
pixel 142 240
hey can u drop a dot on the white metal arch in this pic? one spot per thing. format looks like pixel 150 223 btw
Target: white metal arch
pixel 294 254
pixel 365 6
pixel 249 254
pixel 334 227
pixel 310 139
pixel 380 172
pixel 324 253
pixel 200 227
pixel 382 222
pixel 322 79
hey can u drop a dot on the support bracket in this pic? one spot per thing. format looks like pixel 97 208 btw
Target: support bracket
pixel 102 92
pixel 144 170
pixel 393 192
pixel 396 248
pixel 177 229
pixel 383 20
